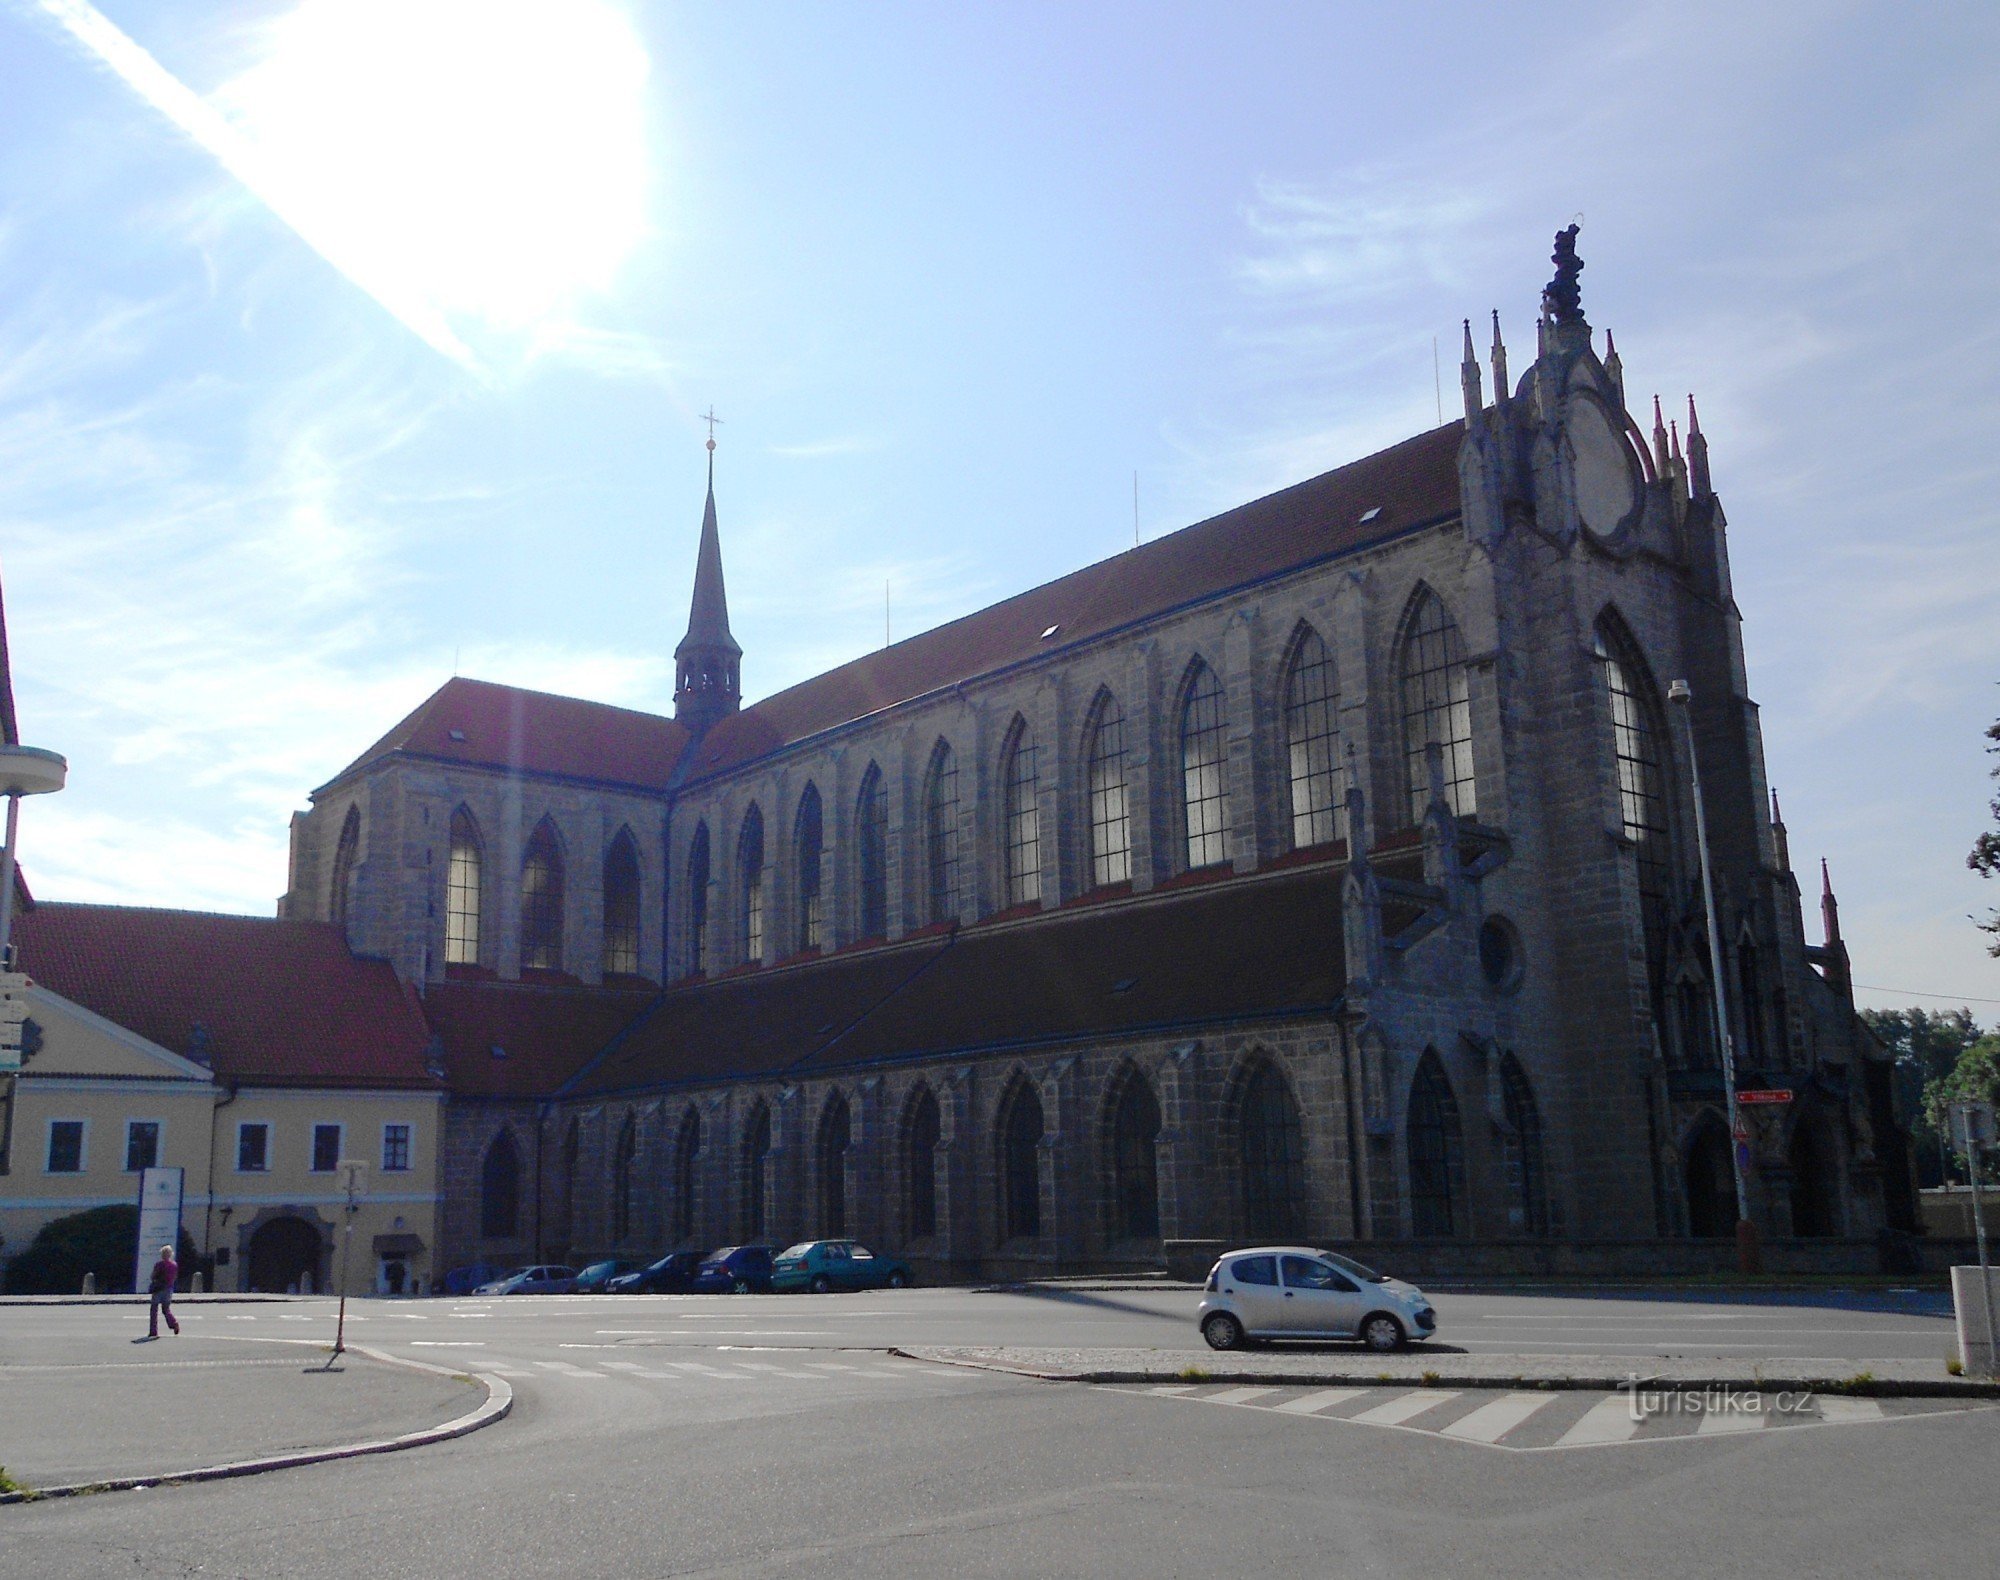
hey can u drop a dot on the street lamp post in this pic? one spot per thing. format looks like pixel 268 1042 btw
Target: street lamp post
pixel 351 1181
pixel 1748 1256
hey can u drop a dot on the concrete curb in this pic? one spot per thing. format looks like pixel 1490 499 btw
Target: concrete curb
pixel 141 1300
pixel 499 1401
pixel 1873 1388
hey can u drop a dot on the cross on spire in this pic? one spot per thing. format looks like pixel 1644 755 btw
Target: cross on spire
pixel 711 419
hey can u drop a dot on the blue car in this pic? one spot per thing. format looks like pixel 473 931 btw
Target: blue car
pixel 736 1270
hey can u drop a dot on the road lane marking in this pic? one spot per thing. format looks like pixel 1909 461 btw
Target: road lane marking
pixel 1715 1423
pixel 1494 1420
pixel 1402 1408
pixel 1850 1410
pixel 1610 1420
pixel 565 1369
pixel 1237 1395
pixel 1171 1388
pixel 447 1344
pixel 1307 1404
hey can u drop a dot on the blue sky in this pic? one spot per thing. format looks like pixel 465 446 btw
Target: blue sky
pixel 345 341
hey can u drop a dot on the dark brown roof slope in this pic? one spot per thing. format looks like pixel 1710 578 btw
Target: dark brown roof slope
pixel 545 1034
pixel 475 721
pixel 1255 948
pixel 1409 484
pixel 278 1003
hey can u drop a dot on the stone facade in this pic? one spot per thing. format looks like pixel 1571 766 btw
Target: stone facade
pixel 1530 936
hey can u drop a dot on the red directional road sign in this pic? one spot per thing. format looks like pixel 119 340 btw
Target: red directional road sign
pixel 1764 1097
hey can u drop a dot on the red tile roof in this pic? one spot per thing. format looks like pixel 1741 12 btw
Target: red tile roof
pixel 1251 949
pixel 1407 485
pixel 279 1003
pixel 476 721
pixel 546 1033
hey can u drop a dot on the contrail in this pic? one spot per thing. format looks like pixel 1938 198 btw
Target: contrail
pixel 193 115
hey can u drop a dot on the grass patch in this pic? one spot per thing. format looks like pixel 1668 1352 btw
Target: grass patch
pixel 1854 1384
pixel 9 1484
pixel 1953 1366
pixel 1432 1379
pixel 1193 1374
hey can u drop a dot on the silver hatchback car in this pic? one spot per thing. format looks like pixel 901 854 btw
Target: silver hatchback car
pixel 1296 1292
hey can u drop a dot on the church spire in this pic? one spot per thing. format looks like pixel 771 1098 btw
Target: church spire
pixel 707 664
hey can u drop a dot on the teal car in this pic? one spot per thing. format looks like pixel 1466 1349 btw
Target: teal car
pixel 826 1265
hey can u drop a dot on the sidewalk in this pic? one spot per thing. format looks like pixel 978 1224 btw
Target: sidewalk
pixel 82 1412
pixel 1307 1367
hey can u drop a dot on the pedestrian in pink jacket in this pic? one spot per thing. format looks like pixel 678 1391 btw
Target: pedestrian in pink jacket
pixel 165 1272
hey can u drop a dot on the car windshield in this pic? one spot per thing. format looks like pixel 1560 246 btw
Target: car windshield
pixel 1367 1275
pixel 796 1250
pixel 602 1269
pixel 720 1256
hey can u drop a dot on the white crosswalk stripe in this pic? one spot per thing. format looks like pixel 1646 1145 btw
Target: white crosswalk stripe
pixel 1850 1410
pixel 1494 1420
pixel 1610 1420
pixel 1319 1399
pixel 1715 1423
pixel 1407 1407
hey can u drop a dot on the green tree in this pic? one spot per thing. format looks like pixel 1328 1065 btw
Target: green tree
pixel 1928 1045
pixel 102 1240
pixel 1985 857
pixel 1975 1078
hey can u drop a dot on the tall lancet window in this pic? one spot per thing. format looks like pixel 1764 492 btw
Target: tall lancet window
pixel 1312 742
pixel 621 906
pixel 750 871
pixel 698 880
pixel 542 901
pixel 809 841
pixel 463 892
pixel 1637 731
pixel 871 830
pixel 1437 707
pixel 1022 816
pixel 1204 764
pixel 941 834
pixel 1104 766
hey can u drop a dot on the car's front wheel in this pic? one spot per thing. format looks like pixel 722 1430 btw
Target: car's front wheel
pixel 1223 1332
pixel 1382 1333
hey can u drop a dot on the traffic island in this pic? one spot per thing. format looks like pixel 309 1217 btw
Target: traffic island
pixel 190 1409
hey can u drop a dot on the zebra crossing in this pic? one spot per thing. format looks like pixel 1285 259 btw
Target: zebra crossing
pixel 1540 1420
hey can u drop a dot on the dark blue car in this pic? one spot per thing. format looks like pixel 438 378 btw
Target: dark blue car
pixel 736 1270
pixel 672 1274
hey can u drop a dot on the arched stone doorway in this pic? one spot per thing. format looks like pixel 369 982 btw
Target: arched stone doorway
pixel 1711 1183
pixel 284 1254
pixel 1815 1181
pixel 1135 1169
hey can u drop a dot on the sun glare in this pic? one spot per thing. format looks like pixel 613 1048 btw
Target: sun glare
pixel 487 159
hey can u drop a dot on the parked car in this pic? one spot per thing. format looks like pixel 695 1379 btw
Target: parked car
pixel 546 1279
pixel 464 1280
pixel 672 1274
pixel 1295 1292
pixel 595 1278
pixel 826 1265
pixel 735 1269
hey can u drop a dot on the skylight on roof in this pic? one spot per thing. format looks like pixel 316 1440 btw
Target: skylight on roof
pixel 458 735
pixel 498 1052
pixel 1124 984
pixel 1371 512
pixel 1051 631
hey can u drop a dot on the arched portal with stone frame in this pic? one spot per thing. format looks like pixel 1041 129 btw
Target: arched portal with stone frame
pixel 1128 1147
pixel 1521 1152
pixel 1812 1152
pixel 1260 1150
pixel 756 1151
pixel 684 1205
pixel 1708 1178
pixel 835 1139
pixel 623 1160
pixel 1018 1161
pixel 917 1146
pixel 500 1188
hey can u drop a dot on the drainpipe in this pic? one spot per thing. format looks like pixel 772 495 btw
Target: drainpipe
pixel 208 1212
pixel 541 1118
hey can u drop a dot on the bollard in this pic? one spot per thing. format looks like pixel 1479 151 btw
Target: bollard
pixel 199 1285
pixel 90 1283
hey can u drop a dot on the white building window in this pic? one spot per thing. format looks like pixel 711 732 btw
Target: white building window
pixel 142 1144
pixel 325 1149
pixel 253 1147
pixel 65 1154
pixel 395 1149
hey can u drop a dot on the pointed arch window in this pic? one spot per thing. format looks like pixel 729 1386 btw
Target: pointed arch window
pixel 920 1140
pixel 1022 817
pixel 836 1135
pixel 1436 1152
pixel 698 881
pixel 1312 743
pixel 1135 1168
pixel 464 891
pixel 345 854
pixel 750 878
pixel 1020 1164
pixel 621 1178
pixel 1272 1144
pixel 756 1149
pixel 621 906
pixel 687 1150
pixel 1437 707
pixel 1638 742
pixel 1204 765
pixel 871 830
pixel 500 1189
pixel 1110 822
pixel 542 901
pixel 809 841
pixel 941 833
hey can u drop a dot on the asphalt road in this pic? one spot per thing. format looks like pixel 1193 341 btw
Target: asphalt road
pixel 761 1436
